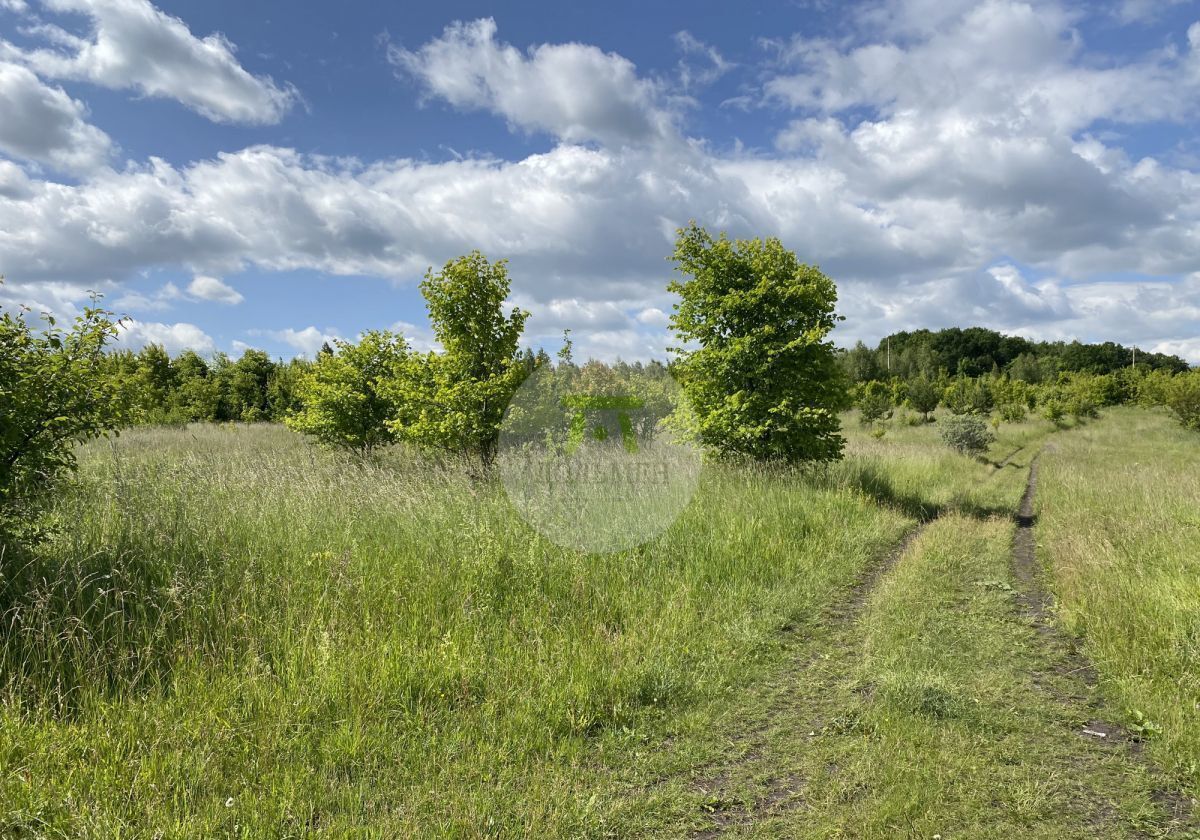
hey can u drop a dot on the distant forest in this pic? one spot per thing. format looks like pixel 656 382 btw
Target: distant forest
pixel 978 351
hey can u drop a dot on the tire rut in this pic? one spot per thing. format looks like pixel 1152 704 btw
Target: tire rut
pixel 839 622
pixel 1067 662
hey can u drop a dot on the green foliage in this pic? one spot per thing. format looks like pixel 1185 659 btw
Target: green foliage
pixel 1183 398
pixel 1053 411
pixel 51 397
pixel 1012 412
pixel 455 400
pixel 875 402
pixel 755 362
pixel 345 402
pixel 977 351
pixel 923 396
pixel 968 396
pixel 966 434
pixel 150 388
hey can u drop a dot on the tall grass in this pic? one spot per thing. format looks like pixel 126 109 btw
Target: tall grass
pixel 1119 529
pixel 231 632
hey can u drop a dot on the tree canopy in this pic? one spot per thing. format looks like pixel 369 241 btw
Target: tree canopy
pixel 754 358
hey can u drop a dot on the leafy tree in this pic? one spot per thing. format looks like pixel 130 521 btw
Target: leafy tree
pixel 156 380
pixel 875 402
pixel 968 396
pixel 248 386
pixel 1183 398
pixel 761 377
pixel 344 397
pixel 566 352
pixel 455 400
pixel 53 395
pixel 283 388
pixel 859 363
pixel 196 395
pixel 923 396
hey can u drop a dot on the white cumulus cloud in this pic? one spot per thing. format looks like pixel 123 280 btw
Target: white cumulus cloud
pixel 175 338
pixel 41 123
pixel 576 92
pixel 213 289
pixel 132 45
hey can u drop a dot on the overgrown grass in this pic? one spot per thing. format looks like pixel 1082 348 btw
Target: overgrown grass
pixel 233 629
pixel 1119 532
pixel 234 633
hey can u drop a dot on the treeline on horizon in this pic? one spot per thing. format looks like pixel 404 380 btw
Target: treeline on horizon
pixel 153 387
pixel 979 351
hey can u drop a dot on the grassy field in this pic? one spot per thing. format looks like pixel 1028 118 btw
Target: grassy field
pixel 230 633
pixel 1119 527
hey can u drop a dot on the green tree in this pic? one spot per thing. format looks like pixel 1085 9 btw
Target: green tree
pixel 53 394
pixel 248 386
pixel 455 400
pixel 283 388
pixel 968 396
pixel 1183 398
pixel 156 380
pixel 755 363
pixel 344 396
pixel 923 396
pixel 196 395
pixel 875 402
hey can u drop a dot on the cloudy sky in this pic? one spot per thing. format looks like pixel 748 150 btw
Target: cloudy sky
pixel 275 173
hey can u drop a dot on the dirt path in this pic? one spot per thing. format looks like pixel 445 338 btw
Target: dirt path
pixel 809 755
pixel 1068 675
pixel 787 705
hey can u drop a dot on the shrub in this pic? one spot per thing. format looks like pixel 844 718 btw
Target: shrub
pixel 875 403
pixel 53 395
pixel 1082 407
pixel 967 434
pixel 343 399
pixel 1012 412
pixel 1183 398
pixel 1053 411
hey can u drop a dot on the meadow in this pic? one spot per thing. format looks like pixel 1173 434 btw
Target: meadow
pixel 231 632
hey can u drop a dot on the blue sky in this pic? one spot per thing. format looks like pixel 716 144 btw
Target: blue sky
pixel 276 174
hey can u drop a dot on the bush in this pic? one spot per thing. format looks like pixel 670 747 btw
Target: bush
pixel 1082 407
pixel 1053 411
pixel 1013 412
pixel 1183 398
pixel 875 402
pixel 342 402
pixel 52 396
pixel 967 434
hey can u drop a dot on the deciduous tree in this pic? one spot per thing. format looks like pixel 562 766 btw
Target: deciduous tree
pixel 754 360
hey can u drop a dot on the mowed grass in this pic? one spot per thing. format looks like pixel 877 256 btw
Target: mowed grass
pixel 1119 534
pixel 233 633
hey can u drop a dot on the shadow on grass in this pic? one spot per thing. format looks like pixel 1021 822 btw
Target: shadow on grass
pixel 879 487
